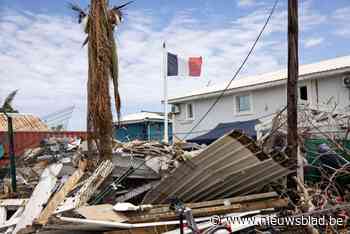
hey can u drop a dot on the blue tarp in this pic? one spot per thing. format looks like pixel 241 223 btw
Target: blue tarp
pixel 247 127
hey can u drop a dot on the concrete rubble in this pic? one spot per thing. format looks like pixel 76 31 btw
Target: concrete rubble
pixel 151 187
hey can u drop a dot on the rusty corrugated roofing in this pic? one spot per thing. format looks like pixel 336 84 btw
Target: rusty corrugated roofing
pixel 23 122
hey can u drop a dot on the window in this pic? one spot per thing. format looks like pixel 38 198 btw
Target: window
pixel 243 103
pixel 303 93
pixel 189 111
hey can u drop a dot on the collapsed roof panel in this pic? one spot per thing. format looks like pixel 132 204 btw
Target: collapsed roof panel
pixel 232 165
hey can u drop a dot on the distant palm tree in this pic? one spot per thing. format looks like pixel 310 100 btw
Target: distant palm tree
pixel 7 105
pixel 99 25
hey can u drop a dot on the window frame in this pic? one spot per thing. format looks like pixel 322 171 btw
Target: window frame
pixel 236 104
pixel 307 93
pixel 187 116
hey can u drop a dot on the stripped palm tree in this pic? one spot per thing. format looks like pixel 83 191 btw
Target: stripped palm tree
pixel 7 105
pixel 99 25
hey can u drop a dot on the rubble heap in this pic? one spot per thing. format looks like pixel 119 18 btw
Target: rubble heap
pixel 144 186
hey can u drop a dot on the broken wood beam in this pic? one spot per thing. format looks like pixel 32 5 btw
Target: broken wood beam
pixel 62 193
pixel 253 197
pixel 102 212
pixel 3 215
pixel 9 224
pixel 13 203
pixel 89 187
pixel 40 196
pixel 146 230
pixel 14 219
pixel 209 211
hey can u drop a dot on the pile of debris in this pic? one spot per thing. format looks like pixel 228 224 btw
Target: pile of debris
pixel 154 187
pixel 61 186
pixel 324 156
pixel 34 160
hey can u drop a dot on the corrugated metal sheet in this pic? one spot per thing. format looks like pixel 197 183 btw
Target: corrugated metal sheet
pixel 23 122
pixel 232 165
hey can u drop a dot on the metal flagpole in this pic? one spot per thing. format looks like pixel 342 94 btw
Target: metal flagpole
pixel 165 76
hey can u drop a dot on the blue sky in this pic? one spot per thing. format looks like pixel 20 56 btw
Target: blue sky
pixel 41 54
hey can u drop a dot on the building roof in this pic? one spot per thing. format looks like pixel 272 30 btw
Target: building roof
pixel 305 71
pixel 247 127
pixel 23 122
pixel 141 117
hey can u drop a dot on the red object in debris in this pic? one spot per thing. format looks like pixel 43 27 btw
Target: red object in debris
pixel 338 200
pixel 24 140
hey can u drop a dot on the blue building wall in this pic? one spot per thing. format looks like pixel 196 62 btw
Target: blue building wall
pixel 147 130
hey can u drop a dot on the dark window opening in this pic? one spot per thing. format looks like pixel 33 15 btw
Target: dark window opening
pixel 189 111
pixel 303 93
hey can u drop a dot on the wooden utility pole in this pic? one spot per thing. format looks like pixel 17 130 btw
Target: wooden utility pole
pixel 292 87
pixel 12 153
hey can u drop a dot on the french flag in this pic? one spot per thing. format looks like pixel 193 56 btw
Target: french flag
pixel 177 66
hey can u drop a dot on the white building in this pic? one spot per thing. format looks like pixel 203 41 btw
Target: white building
pixel 254 97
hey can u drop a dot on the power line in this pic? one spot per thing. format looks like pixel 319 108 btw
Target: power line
pixel 132 169
pixel 236 73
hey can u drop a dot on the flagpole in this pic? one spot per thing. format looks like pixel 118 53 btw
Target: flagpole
pixel 165 80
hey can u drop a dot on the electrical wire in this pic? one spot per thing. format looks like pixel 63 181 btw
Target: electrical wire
pixel 132 169
pixel 237 72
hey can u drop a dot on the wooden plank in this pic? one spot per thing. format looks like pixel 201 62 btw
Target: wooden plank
pixel 219 202
pixel 148 230
pixel 9 224
pixel 17 214
pixel 89 187
pixel 13 218
pixel 13 202
pixel 103 212
pixel 94 181
pixel 208 211
pixel 62 193
pixel 40 196
pixel 3 215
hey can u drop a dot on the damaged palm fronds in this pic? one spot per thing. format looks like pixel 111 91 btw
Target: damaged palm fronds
pixel 99 24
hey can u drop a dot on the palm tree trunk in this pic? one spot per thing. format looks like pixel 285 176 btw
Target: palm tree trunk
pixel 99 104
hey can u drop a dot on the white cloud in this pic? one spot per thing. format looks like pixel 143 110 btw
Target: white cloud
pixel 42 56
pixel 312 42
pixel 341 19
pixel 246 2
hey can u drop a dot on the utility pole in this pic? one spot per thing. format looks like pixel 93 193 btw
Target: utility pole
pixel 292 89
pixel 11 153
